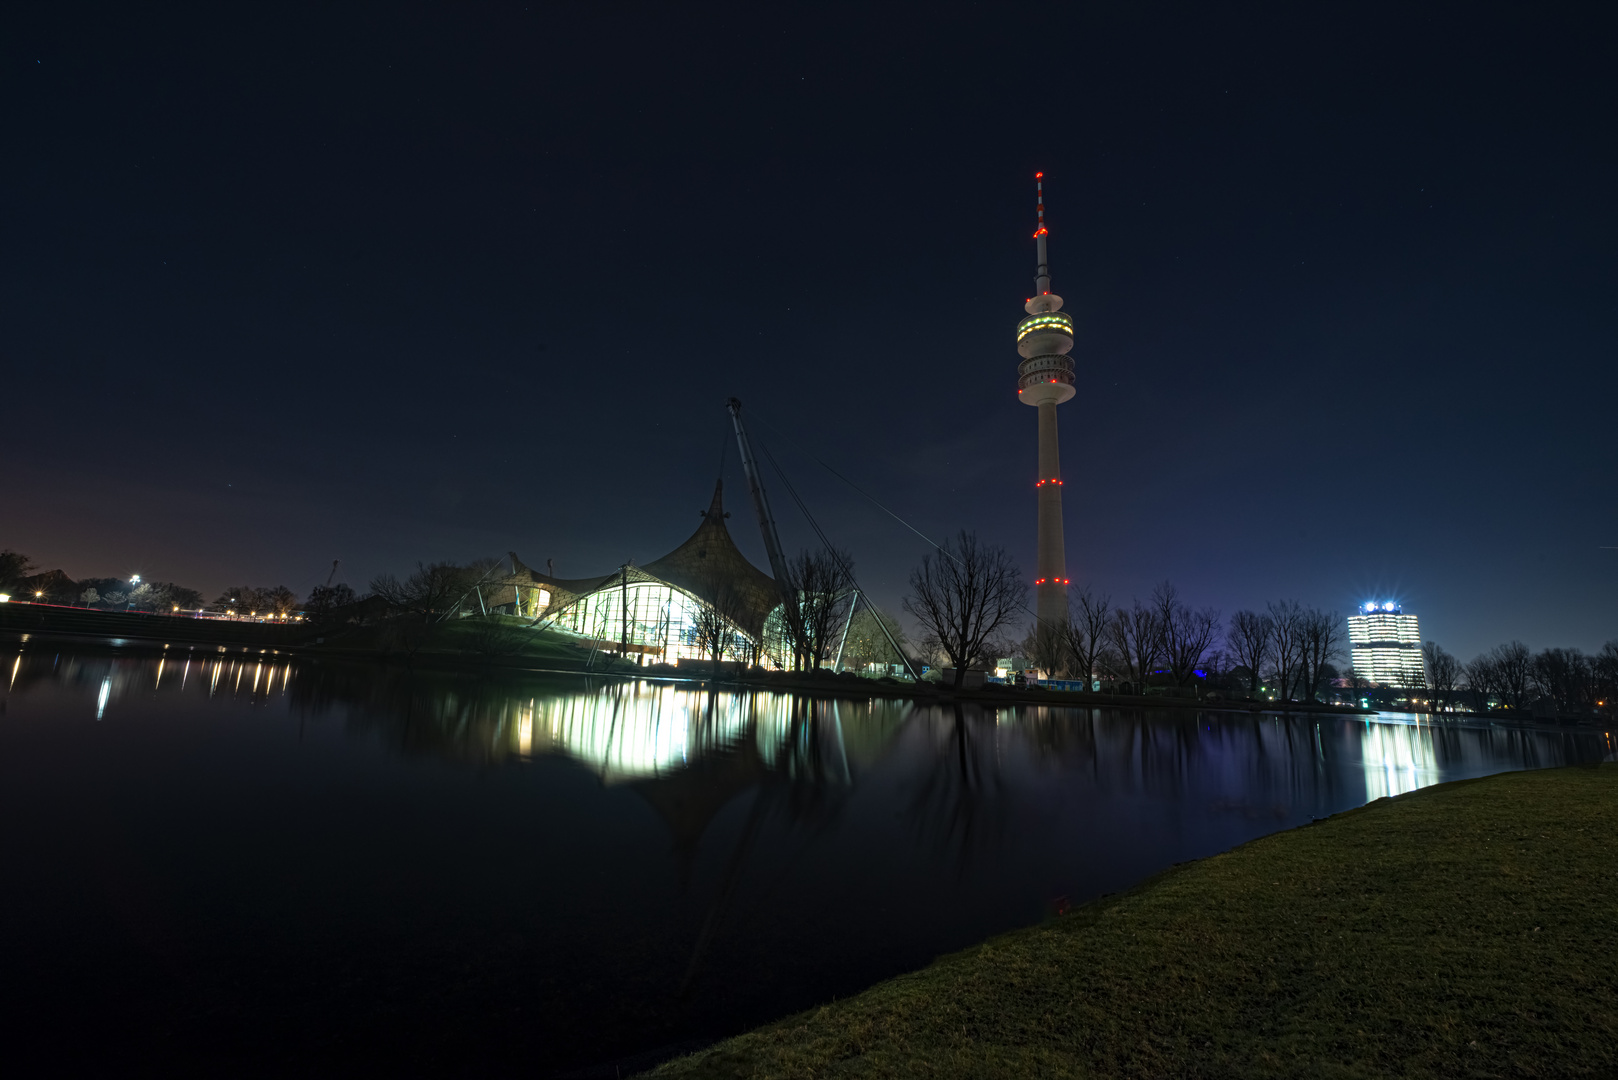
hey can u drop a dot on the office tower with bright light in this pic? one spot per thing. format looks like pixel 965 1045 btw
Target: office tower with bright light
pixel 1386 645
pixel 1045 380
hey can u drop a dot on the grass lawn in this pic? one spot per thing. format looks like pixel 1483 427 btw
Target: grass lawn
pixel 1465 930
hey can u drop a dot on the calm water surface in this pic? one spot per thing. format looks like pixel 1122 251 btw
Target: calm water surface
pixel 242 864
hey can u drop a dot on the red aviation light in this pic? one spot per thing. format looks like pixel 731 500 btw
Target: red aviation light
pixel 1039 176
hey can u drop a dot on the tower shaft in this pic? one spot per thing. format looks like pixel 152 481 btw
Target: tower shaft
pixel 1045 380
pixel 1050 589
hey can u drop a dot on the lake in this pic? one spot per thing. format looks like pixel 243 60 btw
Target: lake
pixel 249 864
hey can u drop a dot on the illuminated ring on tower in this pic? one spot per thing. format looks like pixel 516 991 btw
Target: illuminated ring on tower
pixel 1059 322
pixel 1044 369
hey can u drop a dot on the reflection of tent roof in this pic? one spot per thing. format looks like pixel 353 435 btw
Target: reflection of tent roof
pixel 709 566
pixel 689 798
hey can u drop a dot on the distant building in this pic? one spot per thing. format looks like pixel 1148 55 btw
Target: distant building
pixel 1386 645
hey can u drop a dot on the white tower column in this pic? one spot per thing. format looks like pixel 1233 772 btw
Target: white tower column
pixel 1045 380
pixel 1050 594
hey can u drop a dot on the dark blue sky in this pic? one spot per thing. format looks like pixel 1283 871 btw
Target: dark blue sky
pixel 401 282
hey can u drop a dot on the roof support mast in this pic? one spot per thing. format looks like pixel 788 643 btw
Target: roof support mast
pixel 761 501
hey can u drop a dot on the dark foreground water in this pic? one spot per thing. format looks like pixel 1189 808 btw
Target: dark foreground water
pixel 242 865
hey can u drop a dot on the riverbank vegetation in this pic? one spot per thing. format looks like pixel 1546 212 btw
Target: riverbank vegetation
pixel 1462 930
pixel 969 602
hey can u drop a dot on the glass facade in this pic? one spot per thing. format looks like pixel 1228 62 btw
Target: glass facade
pixel 1386 647
pixel 658 621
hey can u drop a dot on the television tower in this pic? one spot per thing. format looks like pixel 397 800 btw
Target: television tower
pixel 1045 380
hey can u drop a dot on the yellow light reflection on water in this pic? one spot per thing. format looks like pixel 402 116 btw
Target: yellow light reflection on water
pixel 525 731
pixel 1397 758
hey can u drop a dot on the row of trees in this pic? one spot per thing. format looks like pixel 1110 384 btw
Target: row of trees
pixel 1511 676
pixel 968 595
pixel 20 577
pixel 1287 647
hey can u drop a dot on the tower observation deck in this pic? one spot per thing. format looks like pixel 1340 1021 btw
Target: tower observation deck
pixel 1045 380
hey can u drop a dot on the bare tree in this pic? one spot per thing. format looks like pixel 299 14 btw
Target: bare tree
pixel 1286 617
pixel 1561 675
pixel 962 595
pixel 14 568
pixel 1084 635
pixel 1187 635
pixel 325 599
pixel 1322 634
pixel 1482 681
pixel 714 620
pixel 815 611
pixel 1605 663
pixel 281 600
pixel 1513 665
pixel 931 652
pixel 427 592
pixel 1443 674
pixel 1249 639
pixel 1046 646
pixel 866 644
pixel 1135 641
pixel 241 600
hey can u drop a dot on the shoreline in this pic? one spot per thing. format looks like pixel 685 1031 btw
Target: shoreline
pixel 138 632
pixel 1462 929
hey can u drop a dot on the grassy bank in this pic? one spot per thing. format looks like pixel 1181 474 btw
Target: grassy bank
pixel 1469 930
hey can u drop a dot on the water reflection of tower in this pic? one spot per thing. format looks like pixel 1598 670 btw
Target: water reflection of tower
pixel 1045 380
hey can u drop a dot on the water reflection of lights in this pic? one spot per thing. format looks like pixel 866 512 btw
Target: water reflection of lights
pixel 101 699
pixel 636 731
pixel 1397 758
pixel 525 730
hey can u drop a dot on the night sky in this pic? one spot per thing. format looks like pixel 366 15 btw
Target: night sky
pixel 436 281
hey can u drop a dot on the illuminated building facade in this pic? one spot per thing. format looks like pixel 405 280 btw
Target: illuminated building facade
pixel 1386 645
pixel 1045 380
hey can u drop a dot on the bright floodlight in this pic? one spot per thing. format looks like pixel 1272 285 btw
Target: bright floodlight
pixel 135 580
